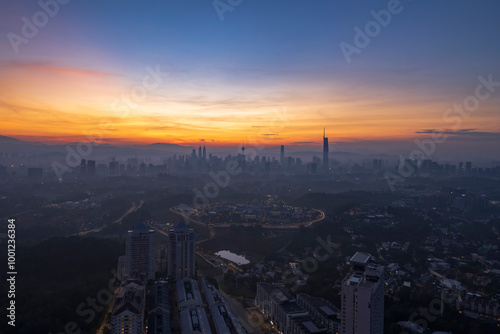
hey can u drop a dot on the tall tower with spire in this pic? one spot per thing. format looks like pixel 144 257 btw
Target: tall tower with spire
pixel 242 158
pixel 204 153
pixel 325 152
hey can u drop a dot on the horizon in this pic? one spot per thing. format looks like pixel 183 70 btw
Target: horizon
pixel 347 150
pixel 304 151
pixel 224 81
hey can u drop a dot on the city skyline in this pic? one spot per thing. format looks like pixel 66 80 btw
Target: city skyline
pixel 250 167
pixel 437 148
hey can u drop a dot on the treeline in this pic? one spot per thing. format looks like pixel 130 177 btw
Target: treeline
pixel 57 276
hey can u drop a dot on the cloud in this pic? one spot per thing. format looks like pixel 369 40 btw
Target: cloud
pixel 51 67
pixel 462 133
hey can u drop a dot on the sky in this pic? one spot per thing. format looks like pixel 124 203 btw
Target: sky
pixel 231 71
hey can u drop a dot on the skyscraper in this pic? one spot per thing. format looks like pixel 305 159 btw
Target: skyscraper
pixel 362 297
pixel 180 252
pixel 113 167
pixel 468 167
pixel 325 153
pixel 83 167
pixel 140 255
pixel 91 167
pixel 204 153
pixel 282 155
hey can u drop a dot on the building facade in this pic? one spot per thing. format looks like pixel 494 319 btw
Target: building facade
pixel 326 166
pixel 181 252
pixel 127 316
pixel 362 297
pixel 159 309
pixel 140 252
pixel 288 315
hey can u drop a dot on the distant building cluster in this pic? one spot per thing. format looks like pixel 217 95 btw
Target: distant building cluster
pixel 16 167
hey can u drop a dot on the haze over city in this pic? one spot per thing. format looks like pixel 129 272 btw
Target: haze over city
pixel 250 167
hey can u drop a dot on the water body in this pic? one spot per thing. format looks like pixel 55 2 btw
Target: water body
pixel 238 259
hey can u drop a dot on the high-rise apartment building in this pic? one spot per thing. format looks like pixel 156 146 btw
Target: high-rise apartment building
pixel 362 297
pixel 140 252
pixel 181 252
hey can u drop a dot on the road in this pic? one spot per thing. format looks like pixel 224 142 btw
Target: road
pixel 14 215
pixel 133 208
pixel 186 217
pixel 243 315
pixel 321 217
pixel 265 226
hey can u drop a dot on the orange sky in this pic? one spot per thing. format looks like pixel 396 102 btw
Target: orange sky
pixel 48 103
pixel 264 76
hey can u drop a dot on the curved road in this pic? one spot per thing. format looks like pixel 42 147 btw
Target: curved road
pixel 133 208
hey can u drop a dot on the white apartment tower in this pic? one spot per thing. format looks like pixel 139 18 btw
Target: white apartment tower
pixel 362 297
pixel 181 252
pixel 140 252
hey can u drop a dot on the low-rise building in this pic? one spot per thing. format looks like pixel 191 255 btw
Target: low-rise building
pixel 323 312
pixel 159 309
